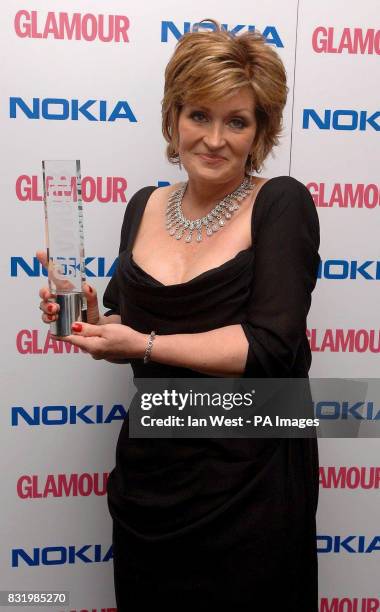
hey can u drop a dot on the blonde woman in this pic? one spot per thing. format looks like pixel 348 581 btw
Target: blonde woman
pixel 214 278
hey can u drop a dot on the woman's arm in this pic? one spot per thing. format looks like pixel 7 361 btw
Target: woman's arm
pixel 266 341
pixel 113 318
pixel 219 352
pixel 284 276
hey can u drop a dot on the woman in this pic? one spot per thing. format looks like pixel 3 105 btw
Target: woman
pixel 221 292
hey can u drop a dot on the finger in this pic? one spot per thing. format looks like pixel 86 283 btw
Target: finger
pixel 92 304
pixel 49 318
pixel 42 258
pixel 50 308
pixel 79 341
pixel 89 345
pixel 87 330
pixel 90 292
pixel 45 293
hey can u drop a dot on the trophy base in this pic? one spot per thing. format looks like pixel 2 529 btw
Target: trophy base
pixel 71 309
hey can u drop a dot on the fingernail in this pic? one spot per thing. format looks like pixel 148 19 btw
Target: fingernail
pixel 50 317
pixel 77 327
pixel 90 288
pixel 50 307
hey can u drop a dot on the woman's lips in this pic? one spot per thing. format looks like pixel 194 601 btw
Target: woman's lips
pixel 212 159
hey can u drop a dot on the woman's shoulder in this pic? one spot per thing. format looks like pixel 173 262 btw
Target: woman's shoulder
pixel 286 199
pixel 285 185
pixel 141 205
pixel 140 198
pixel 285 192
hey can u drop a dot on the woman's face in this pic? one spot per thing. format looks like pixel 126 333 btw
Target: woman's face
pixel 215 138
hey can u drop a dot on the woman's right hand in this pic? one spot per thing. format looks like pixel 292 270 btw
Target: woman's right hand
pixel 49 307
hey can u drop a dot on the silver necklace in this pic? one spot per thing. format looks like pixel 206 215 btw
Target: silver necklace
pixel 177 224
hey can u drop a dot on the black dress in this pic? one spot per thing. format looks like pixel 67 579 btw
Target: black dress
pixel 214 524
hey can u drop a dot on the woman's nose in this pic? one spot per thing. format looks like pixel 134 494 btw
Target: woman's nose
pixel 214 138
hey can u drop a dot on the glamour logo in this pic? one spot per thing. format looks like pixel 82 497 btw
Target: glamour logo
pixel 345 195
pixel 344 340
pixel 269 32
pixel 75 26
pixel 61 485
pixel 353 477
pixel 60 109
pixel 343 119
pixel 28 343
pixel 350 604
pixel 331 410
pixel 94 188
pixel 342 269
pixel 62 555
pixel 93 267
pixel 89 414
pixel 351 544
pixel 350 40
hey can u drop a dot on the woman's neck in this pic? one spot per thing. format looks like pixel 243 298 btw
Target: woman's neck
pixel 201 196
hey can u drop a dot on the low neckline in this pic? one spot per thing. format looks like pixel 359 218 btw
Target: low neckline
pixel 199 276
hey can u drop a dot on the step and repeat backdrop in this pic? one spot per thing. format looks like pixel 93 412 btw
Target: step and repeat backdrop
pixel 84 81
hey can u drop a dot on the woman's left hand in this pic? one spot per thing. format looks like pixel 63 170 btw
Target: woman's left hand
pixel 113 341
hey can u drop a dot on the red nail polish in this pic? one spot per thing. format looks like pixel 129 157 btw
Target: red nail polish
pixel 77 327
pixel 50 308
pixel 90 289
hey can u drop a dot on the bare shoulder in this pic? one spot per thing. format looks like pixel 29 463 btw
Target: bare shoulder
pixel 159 198
pixel 259 182
pixel 164 192
pixel 157 202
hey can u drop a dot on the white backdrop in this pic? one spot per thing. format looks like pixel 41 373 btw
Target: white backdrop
pixel 61 410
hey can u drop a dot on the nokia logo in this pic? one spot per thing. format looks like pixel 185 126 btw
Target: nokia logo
pixel 351 544
pixel 61 109
pixel 342 269
pixel 93 266
pixel 341 120
pixel 90 414
pixel 269 32
pixel 363 411
pixel 61 555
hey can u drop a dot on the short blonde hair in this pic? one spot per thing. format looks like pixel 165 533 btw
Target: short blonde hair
pixel 207 64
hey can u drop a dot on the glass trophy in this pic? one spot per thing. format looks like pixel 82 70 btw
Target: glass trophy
pixel 64 241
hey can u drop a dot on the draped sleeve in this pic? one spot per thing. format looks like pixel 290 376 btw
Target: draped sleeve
pixel 286 242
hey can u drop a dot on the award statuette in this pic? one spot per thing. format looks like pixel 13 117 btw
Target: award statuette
pixel 64 241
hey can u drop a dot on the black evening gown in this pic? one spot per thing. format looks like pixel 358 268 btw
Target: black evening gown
pixel 222 524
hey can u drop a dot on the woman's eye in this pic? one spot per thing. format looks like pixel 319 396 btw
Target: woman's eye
pixel 198 116
pixel 237 123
